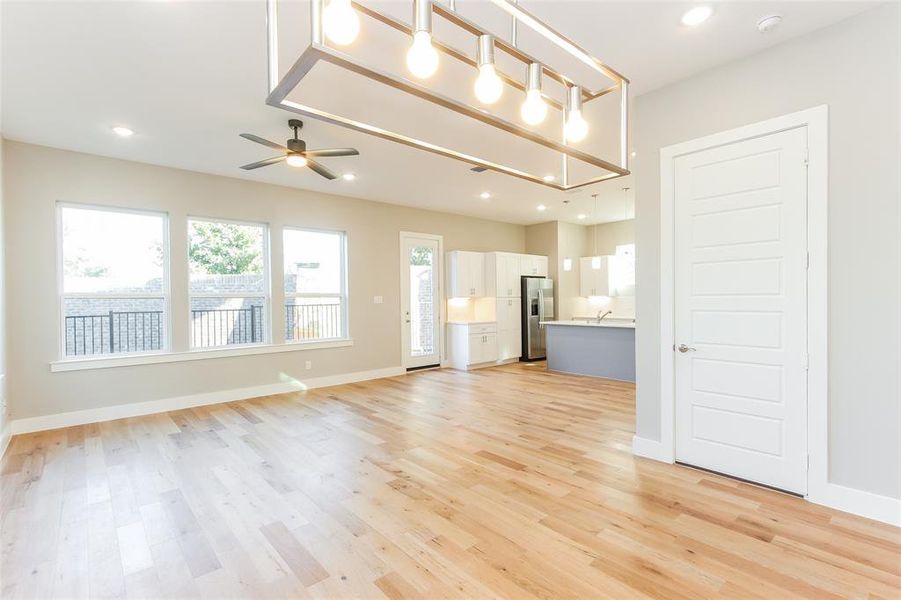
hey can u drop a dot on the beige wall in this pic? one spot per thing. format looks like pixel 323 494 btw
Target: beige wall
pixel 572 242
pixel 542 239
pixel 558 240
pixel 603 240
pixel 36 177
pixel 853 67
pixel 607 236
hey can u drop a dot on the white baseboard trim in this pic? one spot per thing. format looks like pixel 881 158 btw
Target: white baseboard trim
pixel 5 436
pixel 839 497
pixel 137 409
pixel 652 449
pixel 858 502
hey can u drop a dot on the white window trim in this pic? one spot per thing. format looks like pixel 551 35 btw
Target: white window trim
pixel 343 295
pixel 107 361
pixel 266 294
pixel 61 294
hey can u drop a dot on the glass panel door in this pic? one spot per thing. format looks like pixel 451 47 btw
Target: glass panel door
pixel 420 302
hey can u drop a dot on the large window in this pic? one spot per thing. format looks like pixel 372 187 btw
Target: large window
pixel 315 285
pixel 114 288
pixel 229 283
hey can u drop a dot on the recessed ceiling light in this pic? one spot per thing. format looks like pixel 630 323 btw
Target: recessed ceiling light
pixel 549 178
pixel 122 131
pixel 541 207
pixel 696 16
pixel 582 217
pixel 348 177
pixel 485 195
pixel 768 23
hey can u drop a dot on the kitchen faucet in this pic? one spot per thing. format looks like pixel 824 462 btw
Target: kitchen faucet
pixel 601 316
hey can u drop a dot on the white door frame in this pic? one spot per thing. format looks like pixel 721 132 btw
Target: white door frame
pixel 816 120
pixel 439 261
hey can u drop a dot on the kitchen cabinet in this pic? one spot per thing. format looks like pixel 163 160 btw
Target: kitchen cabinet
pixel 482 348
pixel 502 274
pixel 472 344
pixel 595 276
pixel 465 274
pixel 509 328
pixel 533 265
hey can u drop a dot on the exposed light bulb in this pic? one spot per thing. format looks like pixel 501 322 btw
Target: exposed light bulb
pixel 422 58
pixel 576 127
pixel 534 109
pixel 489 86
pixel 340 21
pixel 297 160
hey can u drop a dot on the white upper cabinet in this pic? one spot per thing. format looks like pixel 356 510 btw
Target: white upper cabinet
pixel 595 276
pixel 533 265
pixel 495 274
pixel 502 273
pixel 465 274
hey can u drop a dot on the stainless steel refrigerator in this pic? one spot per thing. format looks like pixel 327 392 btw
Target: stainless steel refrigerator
pixel 537 306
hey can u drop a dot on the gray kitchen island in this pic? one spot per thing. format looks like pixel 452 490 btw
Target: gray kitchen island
pixel 597 348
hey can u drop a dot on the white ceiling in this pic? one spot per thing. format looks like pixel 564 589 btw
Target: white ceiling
pixel 189 76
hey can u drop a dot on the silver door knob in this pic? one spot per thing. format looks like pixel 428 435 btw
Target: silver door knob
pixel 683 348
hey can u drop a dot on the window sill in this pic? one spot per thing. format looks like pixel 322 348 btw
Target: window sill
pixel 108 362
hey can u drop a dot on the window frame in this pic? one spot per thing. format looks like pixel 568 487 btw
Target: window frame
pixel 343 296
pixel 267 283
pixel 61 295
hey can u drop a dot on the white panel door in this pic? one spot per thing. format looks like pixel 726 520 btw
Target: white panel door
pixel 741 294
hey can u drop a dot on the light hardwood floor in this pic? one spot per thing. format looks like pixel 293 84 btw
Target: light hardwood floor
pixel 506 482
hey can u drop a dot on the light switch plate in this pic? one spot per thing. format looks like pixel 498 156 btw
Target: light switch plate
pixel 377 299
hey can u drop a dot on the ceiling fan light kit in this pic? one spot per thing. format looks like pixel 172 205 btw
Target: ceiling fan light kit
pixel 338 22
pixel 295 153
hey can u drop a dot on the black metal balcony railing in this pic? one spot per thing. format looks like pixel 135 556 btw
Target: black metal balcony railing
pixel 312 322
pixel 142 331
pixel 226 326
pixel 114 332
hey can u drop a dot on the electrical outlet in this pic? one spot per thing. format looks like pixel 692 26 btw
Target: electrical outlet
pixel 309 365
pixel 377 299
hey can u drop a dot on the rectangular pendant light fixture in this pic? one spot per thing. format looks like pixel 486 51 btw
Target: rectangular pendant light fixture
pixel 319 50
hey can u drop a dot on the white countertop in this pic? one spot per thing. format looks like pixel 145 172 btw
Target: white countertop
pixel 471 322
pixel 608 322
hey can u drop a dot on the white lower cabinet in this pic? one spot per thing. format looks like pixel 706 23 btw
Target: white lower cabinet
pixel 471 344
pixel 482 348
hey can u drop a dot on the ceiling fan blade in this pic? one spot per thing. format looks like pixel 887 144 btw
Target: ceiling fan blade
pixel 259 140
pixel 320 169
pixel 333 152
pixel 263 163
